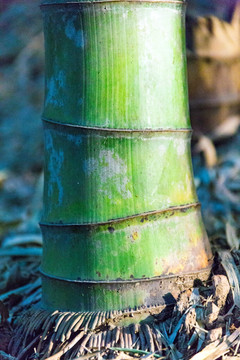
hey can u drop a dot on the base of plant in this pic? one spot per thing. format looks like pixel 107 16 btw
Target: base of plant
pixel 42 334
pixel 53 334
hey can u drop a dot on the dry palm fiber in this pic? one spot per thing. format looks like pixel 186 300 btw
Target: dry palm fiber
pixel 213 70
pixel 158 334
pixel 162 335
pixel 71 333
pixel 215 38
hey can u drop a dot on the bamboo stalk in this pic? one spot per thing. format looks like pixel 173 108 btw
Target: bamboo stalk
pixel 121 214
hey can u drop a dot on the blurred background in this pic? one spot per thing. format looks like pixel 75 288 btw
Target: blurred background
pixel 21 99
pixel 213 50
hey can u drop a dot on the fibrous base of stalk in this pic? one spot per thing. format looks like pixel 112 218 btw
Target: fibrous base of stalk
pixel 43 334
pixel 66 335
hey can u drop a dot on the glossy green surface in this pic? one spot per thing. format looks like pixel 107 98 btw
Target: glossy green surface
pixel 95 176
pixel 116 65
pixel 77 297
pixel 111 67
pixel 118 250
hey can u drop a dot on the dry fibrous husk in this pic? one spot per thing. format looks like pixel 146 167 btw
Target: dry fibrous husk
pixel 70 335
pixel 213 74
pixel 216 38
pixel 201 315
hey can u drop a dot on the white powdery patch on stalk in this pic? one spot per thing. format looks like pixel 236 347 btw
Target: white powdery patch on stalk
pixel 180 145
pixel 76 139
pixel 54 84
pixel 55 162
pixel 111 169
pixel 73 34
pixel 90 166
pixel 115 170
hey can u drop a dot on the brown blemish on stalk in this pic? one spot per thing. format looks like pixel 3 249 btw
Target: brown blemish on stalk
pixel 134 235
pixel 194 258
pixel 203 258
pixel 157 271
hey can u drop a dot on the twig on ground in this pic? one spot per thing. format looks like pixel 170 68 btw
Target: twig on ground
pixel 134 351
pixel 216 349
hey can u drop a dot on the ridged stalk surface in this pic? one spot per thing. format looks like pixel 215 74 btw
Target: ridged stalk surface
pixel 120 207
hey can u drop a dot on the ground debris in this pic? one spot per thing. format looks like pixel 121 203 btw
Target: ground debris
pixel 203 321
pixel 211 314
pixel 215 334
pixel 221 289
pixel 4 356
pixel 233 275
pixel 197 326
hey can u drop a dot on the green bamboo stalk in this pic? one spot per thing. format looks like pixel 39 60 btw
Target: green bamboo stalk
pixel 121 216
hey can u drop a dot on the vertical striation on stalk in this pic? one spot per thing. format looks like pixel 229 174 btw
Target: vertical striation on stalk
pixel 121 217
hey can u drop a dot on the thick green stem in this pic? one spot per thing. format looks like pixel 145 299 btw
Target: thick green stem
pixel 120 207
